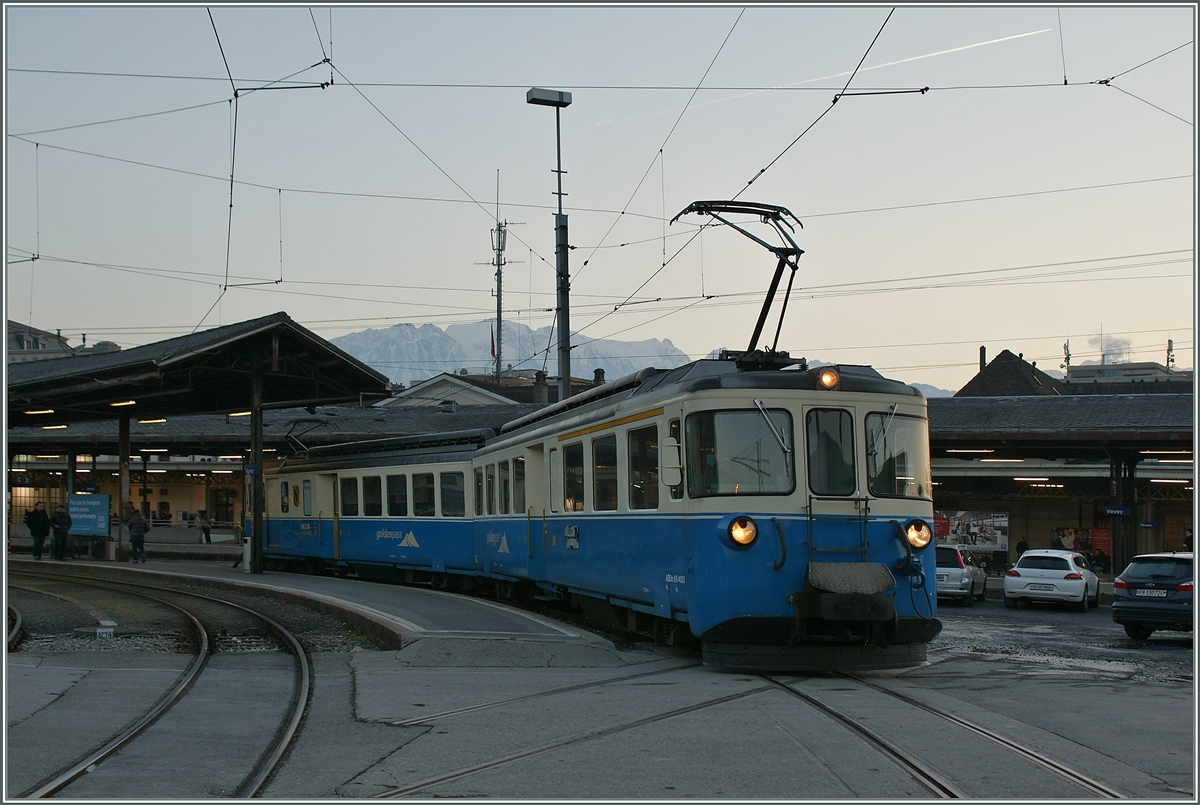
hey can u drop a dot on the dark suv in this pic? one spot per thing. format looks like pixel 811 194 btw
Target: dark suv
pixel 1154 593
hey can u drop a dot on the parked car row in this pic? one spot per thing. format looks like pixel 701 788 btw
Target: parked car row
pixel 1153 593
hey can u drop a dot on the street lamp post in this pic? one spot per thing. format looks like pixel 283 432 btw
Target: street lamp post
pixel 559 99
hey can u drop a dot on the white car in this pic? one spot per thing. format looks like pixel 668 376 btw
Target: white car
pixel 959 575
pixel 1054 576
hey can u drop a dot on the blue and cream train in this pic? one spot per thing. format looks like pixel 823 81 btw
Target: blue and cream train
pixel 781 513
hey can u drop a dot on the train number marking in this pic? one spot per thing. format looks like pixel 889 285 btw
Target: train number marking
pixel 674 578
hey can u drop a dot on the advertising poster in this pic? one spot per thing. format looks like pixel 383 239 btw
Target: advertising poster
pixel 980 531
pixel 1084 540
pixel 89 515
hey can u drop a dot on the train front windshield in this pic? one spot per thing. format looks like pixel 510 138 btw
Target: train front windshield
pixel 740 453
pixel 898 456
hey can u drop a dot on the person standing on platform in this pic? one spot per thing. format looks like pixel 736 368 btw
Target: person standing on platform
pixel 39 528
pixel 1022 546
pixel 137 537
pixel 206 525
pixel 60 521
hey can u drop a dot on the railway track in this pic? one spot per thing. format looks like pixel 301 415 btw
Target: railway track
pixel 924 772
pixel 931 776
pixel 275 739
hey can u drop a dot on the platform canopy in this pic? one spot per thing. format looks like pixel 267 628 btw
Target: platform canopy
pixel 1091 426
pixel 206 372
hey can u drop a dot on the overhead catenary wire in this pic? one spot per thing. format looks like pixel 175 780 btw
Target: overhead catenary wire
pixel 659 154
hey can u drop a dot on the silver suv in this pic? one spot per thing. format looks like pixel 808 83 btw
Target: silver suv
pixel 959 575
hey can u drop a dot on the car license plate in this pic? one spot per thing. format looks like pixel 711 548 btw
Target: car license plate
pixel 1046 587
pixel 1151 593
pixel 942 577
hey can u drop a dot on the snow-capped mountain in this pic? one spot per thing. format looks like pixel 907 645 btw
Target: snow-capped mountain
pixel 407 353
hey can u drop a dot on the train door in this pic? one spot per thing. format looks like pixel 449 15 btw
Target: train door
pixel 533 492
pixel 326 504
pixel 837 506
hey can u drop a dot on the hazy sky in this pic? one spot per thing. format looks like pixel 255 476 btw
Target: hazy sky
pixel 1000 208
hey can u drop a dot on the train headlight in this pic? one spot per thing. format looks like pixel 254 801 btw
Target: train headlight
pixel 742 530
pixel 828 378
pixel 918 533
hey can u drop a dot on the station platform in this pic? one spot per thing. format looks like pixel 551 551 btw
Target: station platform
pixel 394 615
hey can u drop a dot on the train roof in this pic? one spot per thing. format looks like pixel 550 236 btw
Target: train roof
pixel 730 371
pixel 450 446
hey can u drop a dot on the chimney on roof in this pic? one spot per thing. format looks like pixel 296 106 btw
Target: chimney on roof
pixel 982 358
pixel 540 391
pixel 598 378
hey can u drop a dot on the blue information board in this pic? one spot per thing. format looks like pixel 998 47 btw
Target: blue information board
pixel 89 515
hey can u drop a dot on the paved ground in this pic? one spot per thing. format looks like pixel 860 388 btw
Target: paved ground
pixel 483 700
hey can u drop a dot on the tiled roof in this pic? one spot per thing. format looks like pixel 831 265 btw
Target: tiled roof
pixel 1008 375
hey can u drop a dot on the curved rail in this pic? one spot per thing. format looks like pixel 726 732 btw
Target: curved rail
pixel 1097 788
pixel 923 775
pixel 254 783
pixel 166 703
pixel 14 634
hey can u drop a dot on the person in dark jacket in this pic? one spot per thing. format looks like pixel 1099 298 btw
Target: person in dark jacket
pixel 39 528
pixel 137 537
pixel 60 521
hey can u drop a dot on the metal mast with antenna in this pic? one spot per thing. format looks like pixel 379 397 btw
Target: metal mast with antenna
pixel 499 237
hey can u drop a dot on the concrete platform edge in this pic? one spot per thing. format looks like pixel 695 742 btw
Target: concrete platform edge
pixel 389 635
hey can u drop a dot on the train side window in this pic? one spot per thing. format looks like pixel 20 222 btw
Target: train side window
pixel 307 489
pixel 604 472
pixel 454 494
pixel 372 496
pixel 505 485
pixel 283 496
pixel 349 497
pixel 643 468
pixel 674 431
pixel 518 465
pixel 422 493
pixel 556 479
pixel 479 491
pixel 573 477
pixel 397 496
pixel 490 490
pixel 830 452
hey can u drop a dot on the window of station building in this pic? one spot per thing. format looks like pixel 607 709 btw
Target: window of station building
pixel 518 465
pixel 573 477
pixel 479 491
pixel 604 472
pixel 505 486
pixel 643 468
pixel 490 488
pixel 454 494
pixel 283 496
pixel 423 494
pixel 397 495
pixel 372 496
pixel 830 452
pixel 306 497
pixel 349 490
